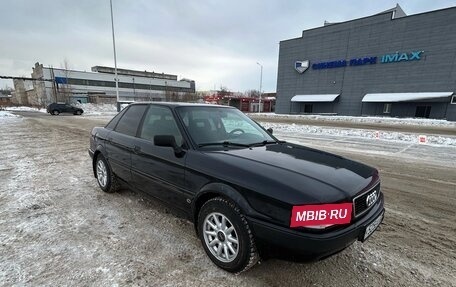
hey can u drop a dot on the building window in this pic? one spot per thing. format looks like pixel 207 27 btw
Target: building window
pixel 423 111
pixel 306 108
pixel 387 108
pixel 453 100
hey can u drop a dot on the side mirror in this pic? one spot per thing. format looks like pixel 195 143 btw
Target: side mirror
pixel 270 130
pixel 168 141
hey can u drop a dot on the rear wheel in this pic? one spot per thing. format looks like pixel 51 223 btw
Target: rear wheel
pixel 55 112
pixel 78 113
pixel 106 179
pixel 226 236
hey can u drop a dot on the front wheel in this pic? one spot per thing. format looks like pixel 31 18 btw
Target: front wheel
pixel 106 179
pixel 226 236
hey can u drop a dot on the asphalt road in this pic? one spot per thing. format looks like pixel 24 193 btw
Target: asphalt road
pixel 58 228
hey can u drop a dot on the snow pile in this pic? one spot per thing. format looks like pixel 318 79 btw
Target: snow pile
pixel 5 114
pixel 360 133
pixel 97 109
pixel 367 120
pixel 26 109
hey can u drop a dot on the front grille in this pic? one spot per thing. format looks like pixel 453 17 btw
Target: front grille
pixel 360 204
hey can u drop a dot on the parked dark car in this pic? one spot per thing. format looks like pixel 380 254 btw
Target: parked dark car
pixel 246 192
pixel 58 108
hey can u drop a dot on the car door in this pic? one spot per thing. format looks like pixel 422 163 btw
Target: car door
pixel 61 108
pixel 67 109
pixel 121 140
pixel 158 170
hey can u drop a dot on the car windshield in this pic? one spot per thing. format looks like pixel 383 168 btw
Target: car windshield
pixel 212 126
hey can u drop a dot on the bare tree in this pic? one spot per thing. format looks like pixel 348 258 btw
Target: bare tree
pixel 224 91
pixel 190 97
pixel 64 87
pixel 252 94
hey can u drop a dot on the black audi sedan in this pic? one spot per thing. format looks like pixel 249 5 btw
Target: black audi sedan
pixel 246 191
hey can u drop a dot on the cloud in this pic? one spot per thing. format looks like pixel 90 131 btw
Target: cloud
pixel 216 43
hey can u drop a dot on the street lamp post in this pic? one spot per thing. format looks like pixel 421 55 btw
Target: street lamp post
pixel 261 84
pixel 115 59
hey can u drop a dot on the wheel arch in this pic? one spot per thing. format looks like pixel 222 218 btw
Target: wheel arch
pixel 223 190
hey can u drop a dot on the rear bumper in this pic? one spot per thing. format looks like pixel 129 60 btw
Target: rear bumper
pixel 302 245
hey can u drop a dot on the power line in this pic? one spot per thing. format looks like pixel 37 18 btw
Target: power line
pixel 23 78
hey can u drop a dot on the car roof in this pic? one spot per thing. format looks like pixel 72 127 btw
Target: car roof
pixel 181 104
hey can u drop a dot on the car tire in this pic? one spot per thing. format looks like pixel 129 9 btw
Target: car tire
pixel 107 180
pixel 55 112
pixel 78 113
pixel 226 235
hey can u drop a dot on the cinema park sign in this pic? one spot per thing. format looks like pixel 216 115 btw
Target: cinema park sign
pixel 387 58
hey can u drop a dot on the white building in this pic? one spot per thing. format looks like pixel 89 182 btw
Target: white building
pixel 61 85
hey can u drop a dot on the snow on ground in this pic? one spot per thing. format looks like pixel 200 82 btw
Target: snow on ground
pixel 5 114
pixel 376 120
pixel 26 109
pixel 360 133
pixel 97 109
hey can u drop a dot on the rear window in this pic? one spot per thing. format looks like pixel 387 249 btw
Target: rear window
pixel 129 122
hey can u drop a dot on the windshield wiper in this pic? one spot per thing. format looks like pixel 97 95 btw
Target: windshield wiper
pixel 263 143
pixel 225 144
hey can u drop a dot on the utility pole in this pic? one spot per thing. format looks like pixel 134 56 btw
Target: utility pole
pixel 115 59
pixel 261 84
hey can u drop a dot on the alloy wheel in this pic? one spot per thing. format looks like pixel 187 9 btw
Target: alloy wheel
pixel 102 174
pixel 221 237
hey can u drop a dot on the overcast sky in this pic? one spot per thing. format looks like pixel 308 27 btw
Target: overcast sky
pixel 215 43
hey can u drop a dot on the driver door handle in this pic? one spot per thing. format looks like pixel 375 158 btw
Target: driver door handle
pixel 136 149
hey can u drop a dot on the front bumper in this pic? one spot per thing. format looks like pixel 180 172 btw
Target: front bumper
pixel 91 153
pixel 302 245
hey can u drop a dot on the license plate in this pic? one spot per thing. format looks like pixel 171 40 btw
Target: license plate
pixel 371 227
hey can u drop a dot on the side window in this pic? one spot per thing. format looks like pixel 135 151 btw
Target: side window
pixel 160 121
pixel 128 124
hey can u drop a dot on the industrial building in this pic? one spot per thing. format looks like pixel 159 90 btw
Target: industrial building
pixel 388 64
pixel 98 86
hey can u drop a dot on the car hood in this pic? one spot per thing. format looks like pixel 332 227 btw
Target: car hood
pixel 296 173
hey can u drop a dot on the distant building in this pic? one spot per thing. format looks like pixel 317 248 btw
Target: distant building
pixel 61 85
pixel 245 104
pixel 251 105
pixel 23 91
pixel 388 64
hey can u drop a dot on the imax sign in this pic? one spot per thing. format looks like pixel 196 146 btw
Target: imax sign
pixel 398 57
